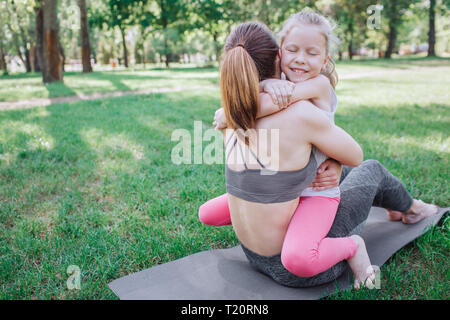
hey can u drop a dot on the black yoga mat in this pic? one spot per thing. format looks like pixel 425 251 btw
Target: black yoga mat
pixel 225 274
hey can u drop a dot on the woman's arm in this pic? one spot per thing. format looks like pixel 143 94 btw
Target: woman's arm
pixel 327 137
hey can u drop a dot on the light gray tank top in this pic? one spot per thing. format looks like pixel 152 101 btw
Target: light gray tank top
pixel 255 185
pixel 321 157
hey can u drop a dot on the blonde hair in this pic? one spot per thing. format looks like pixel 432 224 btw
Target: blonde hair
pixel 326 26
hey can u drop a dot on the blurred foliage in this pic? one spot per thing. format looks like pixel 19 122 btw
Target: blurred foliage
pixel 158 31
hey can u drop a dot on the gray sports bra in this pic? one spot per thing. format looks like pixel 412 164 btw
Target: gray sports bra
pixel 255 185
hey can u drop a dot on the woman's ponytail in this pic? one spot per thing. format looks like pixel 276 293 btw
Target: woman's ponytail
pixel 239 84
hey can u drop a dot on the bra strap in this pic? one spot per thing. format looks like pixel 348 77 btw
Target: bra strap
pixel 256 158
pixel 242 155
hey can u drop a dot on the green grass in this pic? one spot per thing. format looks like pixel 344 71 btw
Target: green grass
pixel 92 184
pixel 30 86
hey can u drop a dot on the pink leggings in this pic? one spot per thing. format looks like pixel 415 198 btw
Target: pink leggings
pixel 306 252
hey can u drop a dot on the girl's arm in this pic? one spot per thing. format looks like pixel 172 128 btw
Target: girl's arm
pixel 317 87
pixel 271 101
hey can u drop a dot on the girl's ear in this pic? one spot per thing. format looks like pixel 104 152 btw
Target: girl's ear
pixel 325 63
pixel 279 53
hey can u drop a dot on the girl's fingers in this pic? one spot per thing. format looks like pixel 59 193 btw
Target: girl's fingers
pixel 272 95
pixel 324 179
pixel 284 95
pixel 279 96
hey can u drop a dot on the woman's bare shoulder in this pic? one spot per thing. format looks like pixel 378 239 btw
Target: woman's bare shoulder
pixel 304 112
pixel 300 117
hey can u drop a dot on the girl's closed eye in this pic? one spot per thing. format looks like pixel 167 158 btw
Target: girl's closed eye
pixel 291 49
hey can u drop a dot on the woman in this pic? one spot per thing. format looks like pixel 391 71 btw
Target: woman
pixel 263 193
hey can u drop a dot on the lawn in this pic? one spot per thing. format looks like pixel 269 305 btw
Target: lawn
pixel 29 86
pixel 92 183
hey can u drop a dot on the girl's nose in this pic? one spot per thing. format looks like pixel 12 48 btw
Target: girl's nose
pixel 300 58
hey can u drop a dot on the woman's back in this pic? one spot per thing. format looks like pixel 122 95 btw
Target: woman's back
pixel 280 144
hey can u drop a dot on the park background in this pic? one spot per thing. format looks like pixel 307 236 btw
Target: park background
pixel 91 91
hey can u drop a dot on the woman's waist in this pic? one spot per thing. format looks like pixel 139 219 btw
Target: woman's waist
pixel 261 227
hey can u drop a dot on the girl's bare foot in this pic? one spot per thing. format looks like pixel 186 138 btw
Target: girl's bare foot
pixel 363 272
pixel 418 211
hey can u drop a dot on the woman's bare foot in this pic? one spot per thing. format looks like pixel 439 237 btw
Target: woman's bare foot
pixel 418 211
pixel 363 272
pixel 395 215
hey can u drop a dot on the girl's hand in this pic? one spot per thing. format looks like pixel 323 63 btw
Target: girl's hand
pixel 279 90
pixel 220 121
pixel 328 175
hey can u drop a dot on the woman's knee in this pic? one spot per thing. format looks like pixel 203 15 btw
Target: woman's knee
pixel 372 163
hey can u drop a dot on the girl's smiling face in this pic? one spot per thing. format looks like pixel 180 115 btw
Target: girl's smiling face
pixel 303 53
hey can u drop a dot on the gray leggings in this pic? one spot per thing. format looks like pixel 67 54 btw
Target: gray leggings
pixel 369 184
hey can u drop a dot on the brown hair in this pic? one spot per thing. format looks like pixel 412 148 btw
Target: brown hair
pixel 326 26
pixel 249 57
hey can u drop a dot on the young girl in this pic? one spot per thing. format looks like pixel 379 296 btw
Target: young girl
pixel 305 61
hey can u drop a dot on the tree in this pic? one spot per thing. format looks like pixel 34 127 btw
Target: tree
pixel 351 16
pixel 211 16
pixel 432 29
pixel 47 43
pixel 18 21
pixel 3 18
pixel 394 11
pixel 168 14
pixel 119 14
pixel 84 35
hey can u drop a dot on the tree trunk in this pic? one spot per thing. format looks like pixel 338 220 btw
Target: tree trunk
pixel 27 50
pixel 391 43
pixel 216 45
pixel 63 55
pixel 17 46
pixel 36 66
pixel 3 65
pixel 39 48
pixel 53 62
pixel 350 50
pixel 432 30
pixel 84 37
pixel 350 41
pixel 166 49
pixel 125 55
pixel 144 53
pixel 165 23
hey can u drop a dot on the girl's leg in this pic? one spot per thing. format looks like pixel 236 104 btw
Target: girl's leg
pixel 215 212
pixel 306 252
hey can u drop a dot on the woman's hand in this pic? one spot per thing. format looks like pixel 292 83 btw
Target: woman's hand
pixel 328 175
pixel 279 90
pixel 220 121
